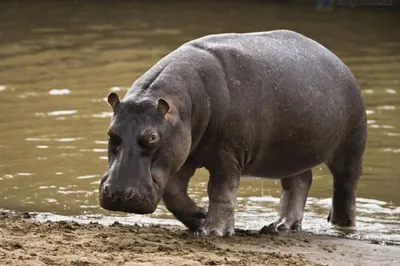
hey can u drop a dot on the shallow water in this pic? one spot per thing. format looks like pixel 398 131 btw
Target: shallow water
pixel 58 60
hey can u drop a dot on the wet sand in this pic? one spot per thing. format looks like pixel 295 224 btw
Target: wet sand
pixel 24 241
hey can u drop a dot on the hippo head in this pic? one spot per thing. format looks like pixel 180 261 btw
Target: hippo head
pixel 148 141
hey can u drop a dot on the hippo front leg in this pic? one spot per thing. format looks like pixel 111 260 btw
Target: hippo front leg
pixel 177 200
pixel 222 190
pixel 293 200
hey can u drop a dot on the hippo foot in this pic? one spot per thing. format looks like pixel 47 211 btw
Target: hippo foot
pixel 281 225
pixel 192 220
pixel 215 229
pixel 343 220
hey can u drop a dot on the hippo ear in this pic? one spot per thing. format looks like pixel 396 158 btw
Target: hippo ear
pixel 113 99
pixel 163 107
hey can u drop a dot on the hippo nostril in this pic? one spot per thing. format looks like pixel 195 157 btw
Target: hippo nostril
pixel 129 194
pixel 107 191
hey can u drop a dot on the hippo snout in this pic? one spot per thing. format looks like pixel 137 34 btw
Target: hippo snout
pixel 131 200
pixel 118 195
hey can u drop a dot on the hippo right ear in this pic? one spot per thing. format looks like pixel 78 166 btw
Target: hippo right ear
pixel 163 107
pixel 167 111
pixel 113 99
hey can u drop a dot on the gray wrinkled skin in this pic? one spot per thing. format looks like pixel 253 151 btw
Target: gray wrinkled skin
pixel 270 104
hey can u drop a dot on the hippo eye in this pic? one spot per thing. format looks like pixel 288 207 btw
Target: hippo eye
pixel 153 137
pixel 149 139
pixel 114 140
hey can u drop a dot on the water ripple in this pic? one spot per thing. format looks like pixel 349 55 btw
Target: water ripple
pixel 103 115
pixel 59 92
pixel 62 112
pixel 87 176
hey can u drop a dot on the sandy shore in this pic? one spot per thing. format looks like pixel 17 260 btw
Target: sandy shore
pixel 26 242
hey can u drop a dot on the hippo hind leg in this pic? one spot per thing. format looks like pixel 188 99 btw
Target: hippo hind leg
pixel 177 200
pixel 346 167
pixel 293 200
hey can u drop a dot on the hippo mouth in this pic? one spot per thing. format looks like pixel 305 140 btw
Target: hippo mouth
pixel 156 183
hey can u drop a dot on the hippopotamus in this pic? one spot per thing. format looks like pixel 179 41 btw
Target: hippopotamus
pixel 269 104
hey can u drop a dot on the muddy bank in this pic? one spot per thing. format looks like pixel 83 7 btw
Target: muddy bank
pixel 26 242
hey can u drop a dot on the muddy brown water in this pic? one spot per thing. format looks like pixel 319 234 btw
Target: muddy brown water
pixel 59 59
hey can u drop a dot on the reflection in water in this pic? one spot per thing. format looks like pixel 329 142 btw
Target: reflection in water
pixel 59 60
